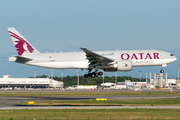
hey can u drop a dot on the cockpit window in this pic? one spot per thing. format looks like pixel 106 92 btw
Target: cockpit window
pixel 171 55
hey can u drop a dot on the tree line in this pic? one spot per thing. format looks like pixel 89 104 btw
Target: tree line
pixel 72 80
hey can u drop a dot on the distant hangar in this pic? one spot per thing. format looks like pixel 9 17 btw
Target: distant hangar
pixel 6 81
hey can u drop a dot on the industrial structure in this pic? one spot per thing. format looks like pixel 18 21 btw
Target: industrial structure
pixel 7 82
pixel 158 82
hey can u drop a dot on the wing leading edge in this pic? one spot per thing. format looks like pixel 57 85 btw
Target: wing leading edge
pixel 96 59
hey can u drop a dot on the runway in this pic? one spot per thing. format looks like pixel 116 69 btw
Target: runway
pixel 93 107
pixel 13 102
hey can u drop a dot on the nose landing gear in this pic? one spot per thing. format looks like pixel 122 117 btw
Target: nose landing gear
pixel 161 71
pixel 162 67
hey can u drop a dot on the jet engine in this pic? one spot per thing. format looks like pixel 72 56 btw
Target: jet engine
pixel 123 65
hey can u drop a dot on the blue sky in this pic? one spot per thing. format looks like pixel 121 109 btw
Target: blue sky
pixel 66 25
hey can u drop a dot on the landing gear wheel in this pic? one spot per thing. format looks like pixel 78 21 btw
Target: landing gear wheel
pixel 86 75
pixel 96 74
pixel 89 74
pixel 93 75
pixel 100 73
pixel 162 71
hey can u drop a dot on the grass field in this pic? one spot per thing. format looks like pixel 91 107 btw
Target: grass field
pixel 163 101
pixel 92 114
pixel 85 93
pixel 95 114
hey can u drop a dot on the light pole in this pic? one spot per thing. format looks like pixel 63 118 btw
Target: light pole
pixel 133 75
pixel 178 76
pixel 34 73
pixel 103 77
pixel 78 77
pixel 62 78
pixel 115 77
pixel 178 72
pixel 51 73
pixel 62 75
pixel 140 76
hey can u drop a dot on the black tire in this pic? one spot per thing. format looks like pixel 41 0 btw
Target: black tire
pixel 89 74
pixel 86 75
pixel 100 73
pixel 96 74
pixel 93 75
pixel 161 71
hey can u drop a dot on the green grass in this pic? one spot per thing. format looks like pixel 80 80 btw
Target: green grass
pixel 163 101
pixel 85 93
pixel 93 114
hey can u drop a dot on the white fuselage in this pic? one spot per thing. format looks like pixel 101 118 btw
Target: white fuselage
pixel 106 60
pixel 77 60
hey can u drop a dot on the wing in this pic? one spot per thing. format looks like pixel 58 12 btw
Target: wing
pixel 96 59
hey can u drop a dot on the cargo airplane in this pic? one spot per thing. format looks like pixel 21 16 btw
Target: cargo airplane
pixel 121 60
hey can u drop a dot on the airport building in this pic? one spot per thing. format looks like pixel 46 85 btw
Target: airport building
pixel 82 87
pixel 8 82
pixel 157 83
pixel 87 87
pixel 124 85
pixel 108 85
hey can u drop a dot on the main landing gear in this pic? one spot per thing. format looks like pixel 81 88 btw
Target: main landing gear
pixel 93 74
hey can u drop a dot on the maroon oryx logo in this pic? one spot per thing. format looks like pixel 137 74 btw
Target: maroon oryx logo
pixel 21 45
pixel 126 64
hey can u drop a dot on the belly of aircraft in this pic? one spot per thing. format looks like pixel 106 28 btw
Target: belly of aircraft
pixel 61 65
pixel 85 64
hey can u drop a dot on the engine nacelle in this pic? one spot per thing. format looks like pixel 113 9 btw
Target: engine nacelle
pixel 123 65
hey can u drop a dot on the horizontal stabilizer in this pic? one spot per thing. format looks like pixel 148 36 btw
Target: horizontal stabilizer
pixel 23 58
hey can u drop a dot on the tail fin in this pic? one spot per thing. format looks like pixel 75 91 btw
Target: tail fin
pixel 22 46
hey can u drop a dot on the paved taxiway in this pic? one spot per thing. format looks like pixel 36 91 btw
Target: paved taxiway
pixel 14 102
pixel 91 107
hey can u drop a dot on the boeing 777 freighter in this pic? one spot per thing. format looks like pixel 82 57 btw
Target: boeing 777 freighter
pixel 122 60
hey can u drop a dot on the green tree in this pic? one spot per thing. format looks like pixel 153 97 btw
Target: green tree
pixel 72 80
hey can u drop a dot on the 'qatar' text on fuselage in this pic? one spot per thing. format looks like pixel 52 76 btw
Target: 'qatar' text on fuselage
pixel 126 56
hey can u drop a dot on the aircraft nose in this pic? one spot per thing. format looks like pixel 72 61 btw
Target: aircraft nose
pixel 174 59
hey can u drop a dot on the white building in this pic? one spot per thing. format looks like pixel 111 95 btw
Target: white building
pixel 108 85
pixel 87 87
pixel 6 81
pixel 170 82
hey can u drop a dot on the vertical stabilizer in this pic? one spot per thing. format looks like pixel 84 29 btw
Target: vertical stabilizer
pixel 22 46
